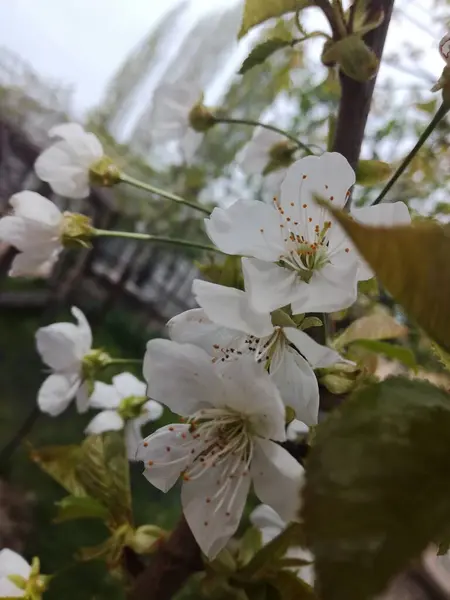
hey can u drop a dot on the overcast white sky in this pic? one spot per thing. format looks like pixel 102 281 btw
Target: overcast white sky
pixel 82 42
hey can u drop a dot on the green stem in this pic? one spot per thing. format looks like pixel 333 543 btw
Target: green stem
pixel 442 111
pixel 124 361
pixel 265 126
pixel 147 237
pixel 124 178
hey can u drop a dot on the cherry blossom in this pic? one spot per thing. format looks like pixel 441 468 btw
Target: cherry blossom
pixel 227 327
pixel 35 228
pixel 294 252
pixel 226 443
pixel 66 164
pixel 64 347
pixel 124 405
pixel 12 564
pixel 270 525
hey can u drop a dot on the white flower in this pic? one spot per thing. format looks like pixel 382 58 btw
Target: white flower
pixel 232 416
pixel 65 165
pixel 126 395
pixel 172 104
pixel 12 563
pixel 270 525
pixel 35 229
pixel 227 327
pixel 444 47
pixel 62 347
pixel 255 156
pixel 299 256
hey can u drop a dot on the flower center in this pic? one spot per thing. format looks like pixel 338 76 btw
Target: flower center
pixel 263 348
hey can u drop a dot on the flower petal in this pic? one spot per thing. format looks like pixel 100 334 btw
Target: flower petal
pixel 9 590
pixel 104 396
pixel 298 386
pixel 268 521
pixel 329 176
pixel 128 385
pixel 167 453
pixel 151 411
pixel 277 478
pixel 269 286
pixel 255 155
pixel 247 228
pixel 82 398
pixel 250 391
pixel 317 355
pixel 63 171
pixel 56 392
pixel 106 420
pixel 180 376
pixel 231 308
pixel 31 206
pixel 36 262
pixel 85 332
pixel 194 327
pixel 213 505
pixel 84 144
pixel 12 563
pixel 331 289
pixel 58 346
pixel 295 429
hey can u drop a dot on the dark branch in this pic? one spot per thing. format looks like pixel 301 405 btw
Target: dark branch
pixel 356 97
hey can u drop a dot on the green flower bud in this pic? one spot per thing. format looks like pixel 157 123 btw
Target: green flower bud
pixel 200 118
pixel 104 172
pixel 281 154
pixel 146 538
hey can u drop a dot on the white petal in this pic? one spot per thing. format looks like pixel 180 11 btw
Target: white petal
pixel 231 308
pixel 133 438
pixel 213 505
pixel 104 396
pixel 128 385
pixel 167 453
pixel 255 156
pixel 317 355
pixel 66 130
pixel 9 590
pixel 384 215
pixel 268 521
pixel 151 411
pixel 31 206
pixel 328 176
pixel 66 176
pixel 180 376
pixel 277 478
pixel 85 333
pixel 268 285
pixel 296 428
pixel 330 289
pixel 56 392
pixel 247 228
pixel 13 231
pixel 298 386
pixel 85 144
pixel 12 563
pixel 107 420
pixel 82 398
pixel 194 327
pixel 36 262
pixel 251 392
pixel 58 346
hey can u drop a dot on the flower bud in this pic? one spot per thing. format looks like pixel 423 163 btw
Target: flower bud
pixel 340 378
pixel 200 118
pixel 281 154
pixel 145 537
pixel 104 172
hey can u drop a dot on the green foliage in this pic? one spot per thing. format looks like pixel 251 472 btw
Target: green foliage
pixel 256 12
pixel 376 486
pixel 393 351
pixel 228 273
pixel 411 262
pixel 261 52
pixel 80 507
pixel 354 57
pixel 372 172
pixel 371 327
pixel 61 462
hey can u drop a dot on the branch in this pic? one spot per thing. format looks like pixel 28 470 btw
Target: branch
pixel 356 97
pixel 174 562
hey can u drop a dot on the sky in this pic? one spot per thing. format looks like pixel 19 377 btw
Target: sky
pixel 81 43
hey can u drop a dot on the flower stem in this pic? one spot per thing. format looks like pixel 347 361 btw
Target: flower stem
pixel 124 178
pixel 16 440
pixel 265 126
pixel 440 114
pixel 147 237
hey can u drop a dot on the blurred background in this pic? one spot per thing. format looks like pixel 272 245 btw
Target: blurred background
pixel 105 64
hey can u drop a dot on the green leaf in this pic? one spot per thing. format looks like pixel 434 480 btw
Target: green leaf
pixel 264 560
pixel 377 487
pixel 372 327
pixel 444 357
pixel 290 587
pixel 258 11
pixel 61 462
pixel 250 544
pixel 261 52
pixel 309 322
pixel 354 57
pixel 393 351
pixel 104 473
pixel 229 273
pixel 372 172
pixel 75 507
pixel 411 262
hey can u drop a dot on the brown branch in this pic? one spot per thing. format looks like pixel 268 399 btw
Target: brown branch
pixel 356 97
pixel 174 562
